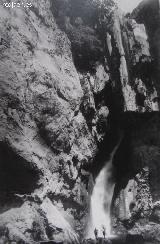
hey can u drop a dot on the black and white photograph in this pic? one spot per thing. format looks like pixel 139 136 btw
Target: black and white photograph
pixel 79 121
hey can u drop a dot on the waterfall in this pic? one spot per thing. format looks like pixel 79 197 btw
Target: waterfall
pixel 101 200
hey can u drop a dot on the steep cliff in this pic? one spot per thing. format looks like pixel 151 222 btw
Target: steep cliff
pixel 135 206
pixel 74 74
pixel 45 139
pixel 148 14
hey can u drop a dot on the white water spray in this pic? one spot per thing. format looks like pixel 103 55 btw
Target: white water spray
pixel 101 200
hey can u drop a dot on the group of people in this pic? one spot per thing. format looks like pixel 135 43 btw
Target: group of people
pixel 103 232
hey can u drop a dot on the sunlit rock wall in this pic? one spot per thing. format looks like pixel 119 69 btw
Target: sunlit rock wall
pixel 131 65
pixel 45 139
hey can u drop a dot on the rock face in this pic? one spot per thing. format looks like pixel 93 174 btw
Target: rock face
pixel 135 203
pixel 73 75
pixel 135 206
pixel 148 14
pixel 45 140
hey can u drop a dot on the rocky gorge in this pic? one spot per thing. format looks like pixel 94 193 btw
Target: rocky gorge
pixel 79 90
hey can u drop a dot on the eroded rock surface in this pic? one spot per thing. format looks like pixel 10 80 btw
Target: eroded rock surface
pixel 45 140
pixel 135 204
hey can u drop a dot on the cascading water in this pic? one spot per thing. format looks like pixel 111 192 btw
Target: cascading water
pixel 101 200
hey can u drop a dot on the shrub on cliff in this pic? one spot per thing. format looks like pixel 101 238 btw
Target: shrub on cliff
pixel 86 47
pixel 80 20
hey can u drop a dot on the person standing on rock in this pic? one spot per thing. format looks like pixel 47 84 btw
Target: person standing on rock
pixel 96 233
pixel 104 232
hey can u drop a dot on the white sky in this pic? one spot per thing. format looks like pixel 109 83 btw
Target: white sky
pixel 128 5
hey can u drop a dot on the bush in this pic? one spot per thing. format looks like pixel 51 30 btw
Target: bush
pixel 86 47
pixel 80 20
